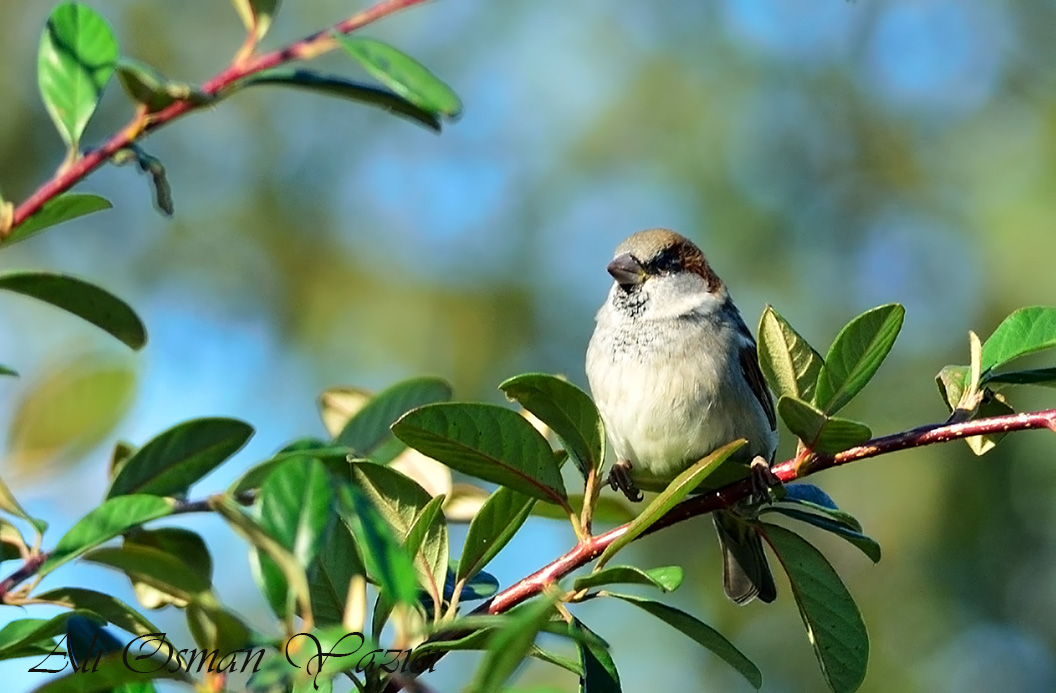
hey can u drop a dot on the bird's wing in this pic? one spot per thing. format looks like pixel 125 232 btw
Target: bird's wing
pixel 754 376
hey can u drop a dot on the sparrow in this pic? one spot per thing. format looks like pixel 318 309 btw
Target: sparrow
pixel 675 374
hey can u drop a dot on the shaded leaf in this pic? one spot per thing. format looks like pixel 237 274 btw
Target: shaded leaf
pixel 215 628
pixel 701 633
pixel 510 644
pixel 106 606
pixel 77 56
pixel 402 74
pixel 1039 376
pixel 866 544
pixel 174 541
pixel 678 489
pixel 567 410
pixel 330 574
pixel 481 586
pixel 335 459
pixel 499 520
pixel 599 671
pixel 1025 331
pixel 87 301
pixel 169 574
pixel 105 522
pixel 667 578
pixel 368 431
pixel 388 564
pixel 174 460
pixel 146 86
pixel 819 432
pixel 332 85
pixel 486 441
pixel 4 370
pixel 55 211
pixel 834 624
pixel 856 355
pixel 262 541
pixel 427 541
pixel 790 364
pixel 151 165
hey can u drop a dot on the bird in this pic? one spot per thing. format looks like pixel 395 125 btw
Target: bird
pixel 675 375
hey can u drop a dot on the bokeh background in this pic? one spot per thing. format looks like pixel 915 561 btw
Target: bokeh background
pixel 828 156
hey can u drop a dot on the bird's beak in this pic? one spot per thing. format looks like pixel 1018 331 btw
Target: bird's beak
pixel 626 270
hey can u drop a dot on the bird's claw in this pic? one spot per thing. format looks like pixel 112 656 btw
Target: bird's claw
pixel 620 480
pixel 763 479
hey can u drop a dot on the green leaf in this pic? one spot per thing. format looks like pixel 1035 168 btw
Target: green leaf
pixel 174 541
pixel 115 678
pixel 821 433
pixel 1039 376
pixel 480 586
pixel 993 404
pixel 368 431
pixel 815 500
pixel 856 354
pixel 215 628
pixel 678 489
pixel 148 87
pixel 667 578
pixel 388 563
pixel 701 633
pixel 511 643
pixel 167 573
pixel 256 15
pixel 113 517
pixel 335 459
pixel 403 75
pixel 1025 331
pixel 295 503
pixel 332 85
pixel 174 460
pixel 486 441
pixel 330 574
pixel 27 631
pixel 834 624
pixel 9 504
pixel 568 411
pixel 495 524
pixel 952 381
pixel 151 165
pixel 789 363
pixel 87 301
pixel 4 370
pixel 599 671
pixel 427 542
pixel 55 211
pixel 291 568
pixel 107 607
pixel 77 56
pixel 866 544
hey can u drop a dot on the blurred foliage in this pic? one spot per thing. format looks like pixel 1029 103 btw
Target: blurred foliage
pixel 829 156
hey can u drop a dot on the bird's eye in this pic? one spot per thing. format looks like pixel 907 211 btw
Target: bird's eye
pixel 666 262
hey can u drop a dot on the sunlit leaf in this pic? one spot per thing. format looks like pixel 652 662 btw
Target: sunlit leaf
pixel 84 300
pixel 256 15
pixel 856 355
pixel 791 366
pixel 55 211
pixel 387 562
pixel 510 644
pixel 486 441
pixel 105 522
pixel 569 413
pixel 678 489
pixel 1025 331
pixel 185 544
pixel 667 578
pixel 106 606
pixel 403 74
pixel 818 431
pixel 77 56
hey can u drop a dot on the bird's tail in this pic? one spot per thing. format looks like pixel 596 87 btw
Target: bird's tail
pixel 745 573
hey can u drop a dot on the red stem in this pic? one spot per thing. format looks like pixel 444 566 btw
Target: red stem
pixel 69 176
pixel 584 552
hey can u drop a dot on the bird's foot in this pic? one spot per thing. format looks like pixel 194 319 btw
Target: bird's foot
pixel 763 480
pixel 620 480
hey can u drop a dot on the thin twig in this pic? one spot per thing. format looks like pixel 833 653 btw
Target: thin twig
pixel 142 124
